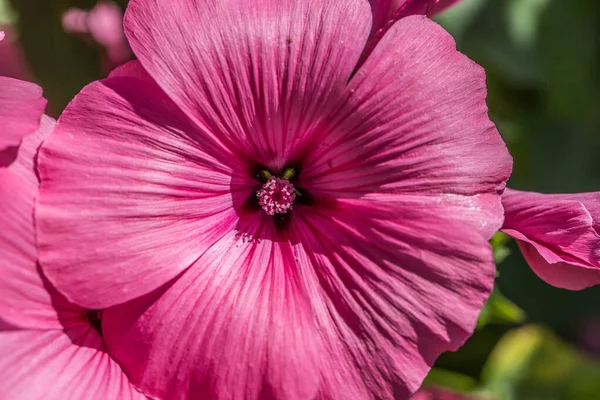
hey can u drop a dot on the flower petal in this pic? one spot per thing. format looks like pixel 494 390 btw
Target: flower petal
pixel 558 235
pixel 397 288
pixel 236 325
pixel 47 365
pixel 354 305
pixel 25 302
pixel 132 193
pixel 415 122
pixel 560 274
pixel 21 108
pixel 258 74
pixel 438 6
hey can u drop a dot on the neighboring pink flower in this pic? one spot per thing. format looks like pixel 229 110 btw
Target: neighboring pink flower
pixel 558 235
pixel 2 36
pixel 157 189
pixel 49 348
pixel 104 23
pixel 21 109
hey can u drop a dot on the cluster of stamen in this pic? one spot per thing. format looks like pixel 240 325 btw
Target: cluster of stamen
pixel 276 196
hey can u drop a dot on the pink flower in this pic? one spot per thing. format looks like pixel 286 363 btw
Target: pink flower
pixel 49 348
pixel 372 265
pixel 558 235
pixel 104 23
pixel 21 109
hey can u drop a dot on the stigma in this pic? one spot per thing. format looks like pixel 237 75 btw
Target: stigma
pixel 276 196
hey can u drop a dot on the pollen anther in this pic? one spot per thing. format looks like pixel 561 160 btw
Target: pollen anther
pixel 276 196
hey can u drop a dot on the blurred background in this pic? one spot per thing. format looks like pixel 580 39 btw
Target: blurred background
pixel 542 57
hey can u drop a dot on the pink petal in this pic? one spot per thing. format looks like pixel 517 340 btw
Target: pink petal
pixel 48 365
pixel 558 235
pixel 437 6
pixel 132 69
pixel 258 74
pixel 415 123
pixel 25 302
pixel 353 306
pixel 386 12
pixel 388 275
pixel 560 274
pixel 381 12
pixel 132 193
pixel 243 327
pixel 21 110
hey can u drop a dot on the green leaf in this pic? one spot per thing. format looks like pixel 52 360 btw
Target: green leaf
pixel 501 251
pixel 532 363
pixel 449 379
pixel 499 310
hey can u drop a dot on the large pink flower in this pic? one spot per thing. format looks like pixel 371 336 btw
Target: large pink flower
pixel 21 109
pixel 558 234
pixel 283 226
pixel 49 348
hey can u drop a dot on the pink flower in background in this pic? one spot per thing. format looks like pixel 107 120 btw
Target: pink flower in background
pixel 159 183
pixel 2 36
pixel 21 109
pixel 12 57
pixel 104 23
pixel 49 348
pixel 558 234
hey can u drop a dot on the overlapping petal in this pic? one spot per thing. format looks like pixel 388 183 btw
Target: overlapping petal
pixel 47 365
pixel 128 180
pixel 24 301
pixel 21 110
pixel 48 348
pixel 558 234
pixel 351 305
pixel 258 74
pixel 415 122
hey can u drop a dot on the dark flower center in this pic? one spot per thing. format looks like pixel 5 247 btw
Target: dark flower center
pixel 95 319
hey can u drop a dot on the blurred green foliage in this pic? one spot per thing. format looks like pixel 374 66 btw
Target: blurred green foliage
pixel 542 59
pixel 531 363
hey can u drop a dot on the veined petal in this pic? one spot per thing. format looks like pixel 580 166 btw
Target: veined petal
pixel 236 325
pixel 351 305
pixel 558 235
pixel 131 195
pixel 258 74
pixel 21 108
pixel 48 365
pixel 24 302
pixel 395 290
pixel 415 122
